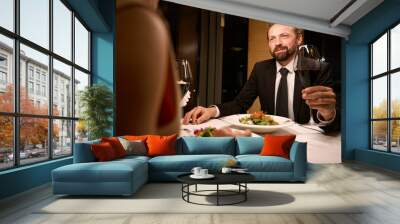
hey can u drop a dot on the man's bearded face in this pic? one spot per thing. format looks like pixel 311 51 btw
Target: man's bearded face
pixel 282 41
pixel 282 53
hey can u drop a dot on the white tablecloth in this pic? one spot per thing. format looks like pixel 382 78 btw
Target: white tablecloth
pixel 321 148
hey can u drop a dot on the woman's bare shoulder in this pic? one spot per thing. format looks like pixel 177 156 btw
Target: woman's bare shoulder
pixel 141 20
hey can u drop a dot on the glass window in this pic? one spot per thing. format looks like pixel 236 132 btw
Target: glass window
pixel 7 14
pixel 43 90
pixel 379 56
pixel 385 80
pixel 62 72
pixel 33 140
pixel 6 142
pixel 395 138
pixel 6 73
pixel 395 47
pixel 395 95
pixel 30 87
pixel 34 21
pixel 81 81
pixel 37 89
pixel 37 75
pixel 30 72
pixel 40 62
pixel 34 79
pixel 3 78
pixel 81 45
pixel 379 98
pixel 81 131
pixel 379 135
pixel 62 29
pixel 3 60
pixel 62 138
pixel 56 108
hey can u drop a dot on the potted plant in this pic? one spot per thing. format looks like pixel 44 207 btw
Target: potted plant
pixel 96 102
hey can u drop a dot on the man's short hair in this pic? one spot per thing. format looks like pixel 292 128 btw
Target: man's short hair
pixel 297 31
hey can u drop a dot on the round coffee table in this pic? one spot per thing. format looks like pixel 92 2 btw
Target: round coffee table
pixel 238 179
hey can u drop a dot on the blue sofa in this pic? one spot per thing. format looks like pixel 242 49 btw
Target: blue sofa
pixel 125 176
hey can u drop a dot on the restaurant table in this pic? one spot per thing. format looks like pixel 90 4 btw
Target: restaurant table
pixel 321 147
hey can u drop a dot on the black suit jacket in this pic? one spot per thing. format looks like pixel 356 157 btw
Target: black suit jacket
pixel 262 84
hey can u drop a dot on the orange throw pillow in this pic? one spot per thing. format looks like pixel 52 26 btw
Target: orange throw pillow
pixel 103 152
pixel 277 145
pixel 161 145
pixel 135 137
pixel 116 145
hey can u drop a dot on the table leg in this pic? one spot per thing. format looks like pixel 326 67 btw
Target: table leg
pixel 188 189
pixel 217 194
pixel 245 191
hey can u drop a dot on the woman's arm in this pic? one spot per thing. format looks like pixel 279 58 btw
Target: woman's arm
pixel 142 49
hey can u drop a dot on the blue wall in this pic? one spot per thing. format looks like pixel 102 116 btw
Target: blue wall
pixel 356 85
pixel 99 15
pixel 103 50
pixel 24 178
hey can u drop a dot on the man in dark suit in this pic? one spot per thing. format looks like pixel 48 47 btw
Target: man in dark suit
pixel 280 86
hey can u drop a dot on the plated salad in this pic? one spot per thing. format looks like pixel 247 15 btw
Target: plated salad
pixel 205 132
pixel 258 118
pixel 221 132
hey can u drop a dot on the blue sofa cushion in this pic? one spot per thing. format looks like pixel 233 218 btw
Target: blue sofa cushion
pixel 206 145
pixel 185 163
pixel 111 171
pixel 132 157
pixel 249 145
pixel 83 152
pixel 257 163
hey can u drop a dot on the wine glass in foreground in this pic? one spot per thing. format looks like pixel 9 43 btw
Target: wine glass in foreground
pixel 308 64
pixel 308 67
pixel 185 80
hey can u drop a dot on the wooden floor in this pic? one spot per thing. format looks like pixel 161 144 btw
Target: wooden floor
pixel 377 188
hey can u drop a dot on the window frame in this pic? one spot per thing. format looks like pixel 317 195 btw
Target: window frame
pixel 16 114
pixel 388 74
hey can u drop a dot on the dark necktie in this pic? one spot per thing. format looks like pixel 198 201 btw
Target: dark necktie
pixel 282 97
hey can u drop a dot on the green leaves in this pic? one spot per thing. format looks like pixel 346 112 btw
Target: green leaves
pixel 97 102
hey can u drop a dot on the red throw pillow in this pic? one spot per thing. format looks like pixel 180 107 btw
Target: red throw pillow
pixel 161 145
pixel 116 145
pixel 103 151
pixel 277 145
pixel 135 137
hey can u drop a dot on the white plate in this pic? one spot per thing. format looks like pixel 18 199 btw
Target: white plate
pixel 282 122
pixel 208 176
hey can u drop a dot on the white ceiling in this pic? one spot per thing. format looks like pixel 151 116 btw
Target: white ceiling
pixel 316 15
pixel 313 8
